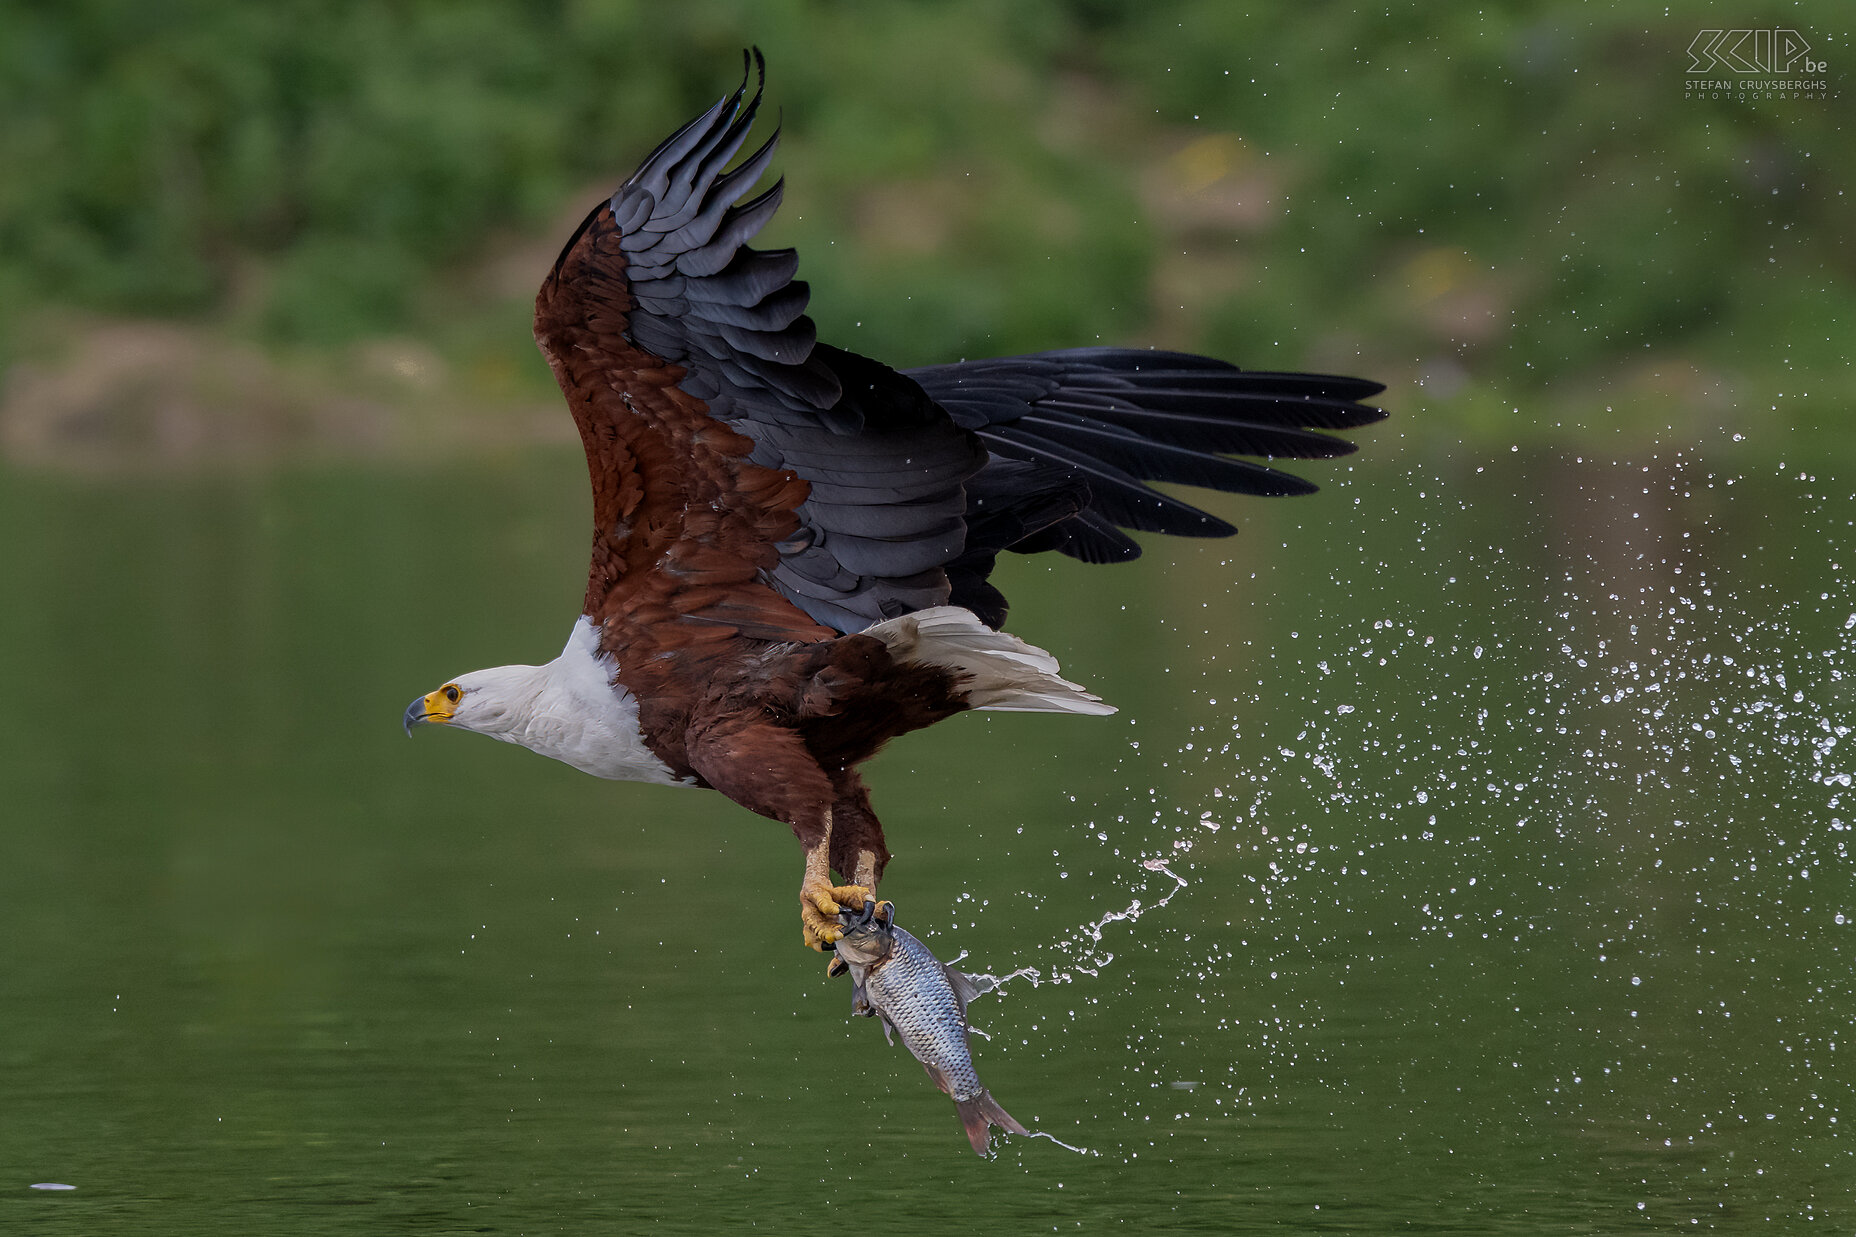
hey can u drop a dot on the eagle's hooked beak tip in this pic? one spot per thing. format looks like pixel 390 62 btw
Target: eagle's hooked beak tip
pixel 415 715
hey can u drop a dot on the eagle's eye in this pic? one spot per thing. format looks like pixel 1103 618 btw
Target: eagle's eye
pixel 452 693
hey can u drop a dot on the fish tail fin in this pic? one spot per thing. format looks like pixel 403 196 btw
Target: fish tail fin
pixel 980 1114
pixel 999 671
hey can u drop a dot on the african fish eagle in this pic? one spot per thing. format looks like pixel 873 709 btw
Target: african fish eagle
pixel 793 544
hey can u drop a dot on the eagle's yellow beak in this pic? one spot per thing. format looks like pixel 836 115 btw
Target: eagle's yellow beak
pixel 435 706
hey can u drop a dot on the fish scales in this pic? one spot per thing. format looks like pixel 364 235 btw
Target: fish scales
pixel 912 992
pixel 925 1000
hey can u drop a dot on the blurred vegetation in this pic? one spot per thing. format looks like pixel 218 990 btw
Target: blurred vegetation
pixel 1513 206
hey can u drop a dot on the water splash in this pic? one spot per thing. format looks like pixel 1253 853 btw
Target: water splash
pixel 1066 1146
pixel 1089 939
pixel 1622 761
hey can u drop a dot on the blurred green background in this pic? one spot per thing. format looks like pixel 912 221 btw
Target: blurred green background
pixel 1515 204
pixel 1504 777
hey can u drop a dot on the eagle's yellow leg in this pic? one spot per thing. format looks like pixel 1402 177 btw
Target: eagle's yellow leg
pixel 820 900
pixel 865 876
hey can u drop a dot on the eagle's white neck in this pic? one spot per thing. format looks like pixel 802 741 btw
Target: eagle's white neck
pixel 570 710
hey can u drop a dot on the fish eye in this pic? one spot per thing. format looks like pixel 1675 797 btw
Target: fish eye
pixel 452 693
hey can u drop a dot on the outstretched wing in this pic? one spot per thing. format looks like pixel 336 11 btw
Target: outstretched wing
pixel 746 480
pixel 1076 435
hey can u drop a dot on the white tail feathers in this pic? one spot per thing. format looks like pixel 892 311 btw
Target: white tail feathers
pixel 1002 671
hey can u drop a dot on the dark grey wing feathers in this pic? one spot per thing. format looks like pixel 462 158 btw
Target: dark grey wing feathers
pixel 730 315
pixel 1223 430
pixel 1119 418
pixel 1155 459
pixel 1115 492
pixel 886 514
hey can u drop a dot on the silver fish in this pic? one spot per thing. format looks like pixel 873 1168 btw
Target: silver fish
pixel 915 993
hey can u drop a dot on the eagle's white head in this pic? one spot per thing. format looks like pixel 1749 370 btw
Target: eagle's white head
pixel 571 709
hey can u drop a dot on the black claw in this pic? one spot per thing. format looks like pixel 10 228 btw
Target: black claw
pixel 858 918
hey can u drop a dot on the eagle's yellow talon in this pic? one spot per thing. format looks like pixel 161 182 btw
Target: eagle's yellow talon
pixel 852 896
pixel 819 904
pixel 817 939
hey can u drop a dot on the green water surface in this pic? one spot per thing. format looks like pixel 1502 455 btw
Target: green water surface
pixel 1506 799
